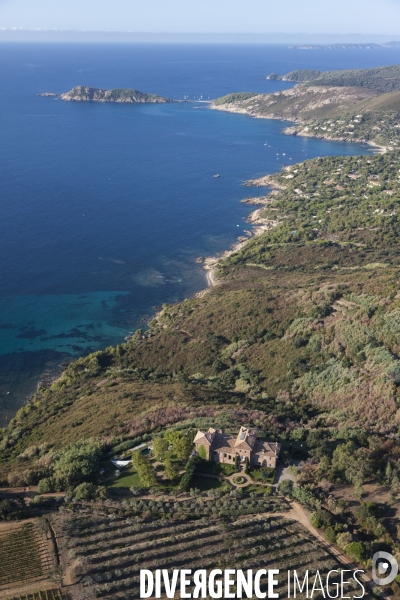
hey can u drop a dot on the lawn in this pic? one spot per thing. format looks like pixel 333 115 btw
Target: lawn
pixel 215 468
pixel 267 475
pixel 206 483
pixel 127 479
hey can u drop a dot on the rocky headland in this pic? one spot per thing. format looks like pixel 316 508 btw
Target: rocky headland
pixel 358 106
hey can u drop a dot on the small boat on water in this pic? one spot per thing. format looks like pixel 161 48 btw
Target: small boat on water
pixel 217 175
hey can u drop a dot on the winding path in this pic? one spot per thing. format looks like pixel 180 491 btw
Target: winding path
pixel 297 513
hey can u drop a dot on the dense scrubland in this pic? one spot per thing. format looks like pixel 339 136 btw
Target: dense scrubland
pixel 382 79
pixel 301 333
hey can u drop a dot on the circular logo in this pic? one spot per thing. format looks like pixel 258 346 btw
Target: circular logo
pixel 384 568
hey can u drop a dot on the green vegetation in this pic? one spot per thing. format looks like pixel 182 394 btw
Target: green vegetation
pixel 367 108
pixel 302 104
pixel 181 444
pixel 231 98
pixel 83 93
pixel 300 76
pixel 20 561
pixel 382 79
pixel 112 551
pixel 239 479
pixel 128 478
pixel 300 338
pixel 264 474
pixel 144 469
pixel 190 470
pixel 55 594
pixel 376 121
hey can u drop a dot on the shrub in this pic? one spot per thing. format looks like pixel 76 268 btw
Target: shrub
pixel 144 468
pixel 160 446
pixel 189 472
pixel 355 551
pixel 286 487
pixel 344 539
pixel 316 520
pixel 202 453
pixel 330 535
pixel 77 463
pixel 46 485
pixel 84 491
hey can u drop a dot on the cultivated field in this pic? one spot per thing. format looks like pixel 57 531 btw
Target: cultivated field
pixel 111 549
pixel 24 558
pixel 40 595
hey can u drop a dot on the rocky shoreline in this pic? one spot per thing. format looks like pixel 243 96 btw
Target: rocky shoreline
pixel 259 225
pixel 298 127
pixel 83 93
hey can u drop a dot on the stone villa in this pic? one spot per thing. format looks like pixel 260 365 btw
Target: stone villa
pixel 221 447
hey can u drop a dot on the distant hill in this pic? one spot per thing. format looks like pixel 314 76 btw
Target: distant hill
pixel 382 79
pixel 82 93
pixel 337 46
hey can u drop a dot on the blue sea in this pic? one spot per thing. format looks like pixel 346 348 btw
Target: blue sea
pixel 106 207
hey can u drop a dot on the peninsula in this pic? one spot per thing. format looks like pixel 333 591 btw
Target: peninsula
pixel 83 93
pixel 353 105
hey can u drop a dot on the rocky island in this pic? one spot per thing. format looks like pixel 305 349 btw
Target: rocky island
pixel 83 93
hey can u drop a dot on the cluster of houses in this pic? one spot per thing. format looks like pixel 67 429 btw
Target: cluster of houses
pixel 224 448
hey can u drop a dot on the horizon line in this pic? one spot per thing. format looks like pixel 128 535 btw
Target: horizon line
pixel 124 31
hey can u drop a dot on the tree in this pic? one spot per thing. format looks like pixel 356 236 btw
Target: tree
pixel 305 496
pixel 189 473
pixel 44 525
pixel 388 473
pixel 77 463
pixel 9 509
pixel 286 487
pixel 46 485
pixel 160 446
pixel 144 468
pixel 182 447
pixel 355 550
pixel 395 484
pixel 330 535
pixel 344 539
pixel 85 491
pixel 315 520
pixel 171 470
pixel 202 452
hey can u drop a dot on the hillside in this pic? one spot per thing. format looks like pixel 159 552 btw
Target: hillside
pixel 296 104
pixel 381 79
pixel 300 337
pixel 302 330
pixel 82 93
pixel 325 107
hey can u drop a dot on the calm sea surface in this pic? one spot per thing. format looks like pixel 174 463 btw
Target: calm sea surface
pixel 105 208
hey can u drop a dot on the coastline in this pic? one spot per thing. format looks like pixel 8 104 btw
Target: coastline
pixel 296 130
pixel 259 225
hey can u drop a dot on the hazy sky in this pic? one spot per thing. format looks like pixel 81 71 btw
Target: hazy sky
pixel 311 16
